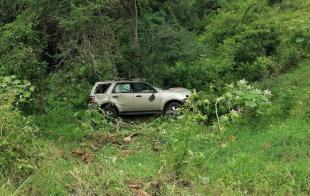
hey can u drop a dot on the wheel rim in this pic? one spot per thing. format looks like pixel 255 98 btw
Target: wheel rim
pixel 173 111
pixel 109 112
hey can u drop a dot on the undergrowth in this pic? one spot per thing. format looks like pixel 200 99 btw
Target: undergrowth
pixel 260 155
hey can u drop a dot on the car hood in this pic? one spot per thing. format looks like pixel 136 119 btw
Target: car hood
pixel 179 90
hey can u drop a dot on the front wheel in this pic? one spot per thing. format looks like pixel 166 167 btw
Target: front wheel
pixel 173 109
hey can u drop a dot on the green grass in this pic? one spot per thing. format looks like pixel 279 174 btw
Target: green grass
pixel 266 161
pixel 263 156
pixel 59 124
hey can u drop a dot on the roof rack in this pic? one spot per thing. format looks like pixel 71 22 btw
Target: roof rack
pixel 133 79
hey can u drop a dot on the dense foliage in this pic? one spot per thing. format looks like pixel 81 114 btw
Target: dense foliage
pixel 240 100
pixel 184 43
pixel 17 145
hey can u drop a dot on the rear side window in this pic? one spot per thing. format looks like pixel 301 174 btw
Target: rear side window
pixel 122 88
pixel 102 88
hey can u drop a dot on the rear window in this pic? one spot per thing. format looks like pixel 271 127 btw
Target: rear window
pixel 102 88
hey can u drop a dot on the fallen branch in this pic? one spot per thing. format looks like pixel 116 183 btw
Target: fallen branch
pixel 217 117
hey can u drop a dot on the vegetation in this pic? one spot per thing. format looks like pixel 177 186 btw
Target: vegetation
pixel 245 130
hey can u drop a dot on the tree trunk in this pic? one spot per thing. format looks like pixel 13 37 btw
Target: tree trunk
pixel 131 11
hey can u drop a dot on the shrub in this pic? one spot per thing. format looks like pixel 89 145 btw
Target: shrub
pixel 18 146
pixel 245 98
pixel 271 2
pixel 262 68
pixel 95 120
pixel 248 47
pixel 294 47
pixel 199 75
pixel 72 95
pixel 240 100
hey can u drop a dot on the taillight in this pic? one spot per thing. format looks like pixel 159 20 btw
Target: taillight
pixel 91 99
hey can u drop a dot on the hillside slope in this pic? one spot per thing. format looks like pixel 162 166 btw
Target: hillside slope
pixel 269 155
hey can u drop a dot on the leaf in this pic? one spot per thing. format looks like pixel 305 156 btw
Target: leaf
pixel 300 40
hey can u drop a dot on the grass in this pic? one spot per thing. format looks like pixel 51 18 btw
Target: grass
pixel 263 156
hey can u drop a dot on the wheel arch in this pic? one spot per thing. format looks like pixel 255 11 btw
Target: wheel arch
pixel 103 105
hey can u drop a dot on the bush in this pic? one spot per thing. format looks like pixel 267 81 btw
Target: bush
pixel 199 75
pixel 271 2
pixel 240 100
pixel 254 45
pixel 72 95
pixel 294 47
pixel 94 120
pixel 18 146
pixel 262 68
pixel 249 42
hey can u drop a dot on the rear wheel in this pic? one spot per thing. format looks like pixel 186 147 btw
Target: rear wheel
pixel 173 109
pixel 110 111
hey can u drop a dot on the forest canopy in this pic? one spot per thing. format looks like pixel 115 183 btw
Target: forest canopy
pixel 201 42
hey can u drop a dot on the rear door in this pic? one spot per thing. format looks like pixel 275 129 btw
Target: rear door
pixel 100 92
pixel 146 98
pixel 122 96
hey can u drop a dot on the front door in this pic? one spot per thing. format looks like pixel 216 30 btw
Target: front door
pixel 146 98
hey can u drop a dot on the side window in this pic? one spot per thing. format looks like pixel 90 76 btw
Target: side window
pixel 102 88
pixel 143 88
pixel 122 88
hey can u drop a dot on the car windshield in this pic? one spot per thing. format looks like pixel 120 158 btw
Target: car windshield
pixel 156 87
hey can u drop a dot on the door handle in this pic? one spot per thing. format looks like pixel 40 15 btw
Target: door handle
pixel 115 96
pixel 139 96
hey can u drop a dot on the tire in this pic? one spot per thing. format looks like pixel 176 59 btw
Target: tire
pixel 110 111
pixel 172 109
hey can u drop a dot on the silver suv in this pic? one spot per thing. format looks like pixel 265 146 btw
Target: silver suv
pixel 123 97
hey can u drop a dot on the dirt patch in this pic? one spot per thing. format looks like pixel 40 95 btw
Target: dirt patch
pixel 155 188
pixel 85 156
pixel 137 189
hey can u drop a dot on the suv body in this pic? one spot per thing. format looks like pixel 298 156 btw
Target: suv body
pixel 134 97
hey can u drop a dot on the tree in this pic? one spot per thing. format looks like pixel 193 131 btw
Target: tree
pixel 131 12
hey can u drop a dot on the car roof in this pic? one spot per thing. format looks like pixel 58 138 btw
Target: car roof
pixel 121 81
